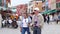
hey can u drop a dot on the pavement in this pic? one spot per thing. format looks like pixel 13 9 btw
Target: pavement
pixel 52 28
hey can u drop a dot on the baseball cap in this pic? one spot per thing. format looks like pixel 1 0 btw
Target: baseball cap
pixel 36 8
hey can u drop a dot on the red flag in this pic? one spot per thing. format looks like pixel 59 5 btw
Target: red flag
pixel 18 10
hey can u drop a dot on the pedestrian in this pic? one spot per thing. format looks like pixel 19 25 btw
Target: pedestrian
pixel 56 18
pixel 31 14
pixel 9 21
pixel 44 17
pixel 47 18
pixel 59 17
pixel 25 23
pixel 14 23
pixel 37 21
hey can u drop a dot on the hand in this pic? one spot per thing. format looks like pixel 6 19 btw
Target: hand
pixel 40 26
pixel 29 25
pixel 33 25
pixel 20 29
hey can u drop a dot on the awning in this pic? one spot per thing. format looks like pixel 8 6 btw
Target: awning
pixel 50 11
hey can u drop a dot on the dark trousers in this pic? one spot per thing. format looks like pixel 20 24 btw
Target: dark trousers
pixel 57 21
pixel 48 21
pixel 36 30
pixel 24 29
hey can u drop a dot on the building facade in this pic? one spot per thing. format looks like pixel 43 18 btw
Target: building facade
pixel 58 4
pixel 21 9
pixel 5 3
pixel 38 4
pixel 52 4
pixel 35 4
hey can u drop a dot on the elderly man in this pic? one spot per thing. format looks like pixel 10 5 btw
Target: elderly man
pixel 37 21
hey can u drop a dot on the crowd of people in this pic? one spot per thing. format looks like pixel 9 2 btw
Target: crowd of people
pixel 8 19
pixel 54 17
pixel 34 20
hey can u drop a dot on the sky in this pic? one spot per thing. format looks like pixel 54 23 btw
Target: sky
pixel 18 2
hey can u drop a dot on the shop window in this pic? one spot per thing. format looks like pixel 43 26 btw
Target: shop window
pixel 59 5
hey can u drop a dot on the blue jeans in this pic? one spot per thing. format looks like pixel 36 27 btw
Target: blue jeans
pixel 24 29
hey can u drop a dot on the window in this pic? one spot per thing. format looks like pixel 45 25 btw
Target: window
pixel 0 2
pixel 57 5
pixel 43 8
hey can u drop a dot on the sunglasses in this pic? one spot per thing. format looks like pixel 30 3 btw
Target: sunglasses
pixel 35 10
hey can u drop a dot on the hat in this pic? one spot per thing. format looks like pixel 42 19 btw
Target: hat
pixel 36 9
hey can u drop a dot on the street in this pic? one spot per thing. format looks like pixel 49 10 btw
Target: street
pixel 47 29
pixel 19 12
